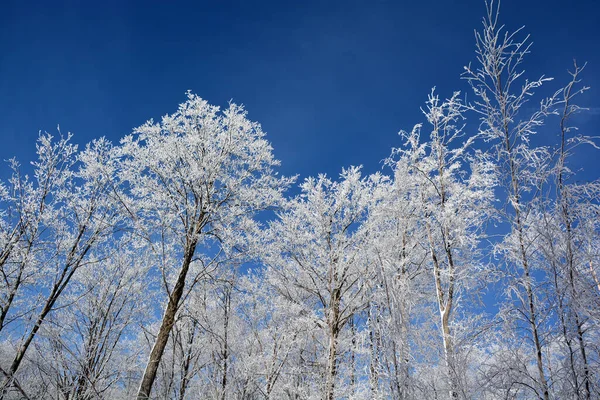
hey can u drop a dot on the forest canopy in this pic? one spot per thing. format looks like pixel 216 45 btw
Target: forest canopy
pixel 178 264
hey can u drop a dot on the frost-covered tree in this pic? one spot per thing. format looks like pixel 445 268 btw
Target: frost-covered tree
pixel 402 283
pixel 194 181
pixel 172 266
pixel 65 212
pixel 317 260
pixel 500 101
pixel 85 350
pixel 451 187
pixel 508 123
pixel 563 243
pixel 28 204
pixel 271 340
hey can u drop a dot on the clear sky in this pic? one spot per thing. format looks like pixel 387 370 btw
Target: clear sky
pixel 332 82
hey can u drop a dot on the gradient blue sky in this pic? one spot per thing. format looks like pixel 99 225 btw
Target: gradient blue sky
pixel 331 82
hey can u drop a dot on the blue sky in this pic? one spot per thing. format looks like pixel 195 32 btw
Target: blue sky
pixel 332 82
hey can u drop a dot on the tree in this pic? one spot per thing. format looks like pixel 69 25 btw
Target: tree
pixel 452 203
pixel 83 352
pixel 316 256
pixel 194 180
pixel 500 104
pixel 272 342
pixel 76 214
pixel 530 252
pixel 172 266
pixel 27 206
pixel 562 246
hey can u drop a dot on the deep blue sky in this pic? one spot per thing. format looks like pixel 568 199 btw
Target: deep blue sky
pixel 331 82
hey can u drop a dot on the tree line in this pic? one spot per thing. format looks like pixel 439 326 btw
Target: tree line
pixel 174 265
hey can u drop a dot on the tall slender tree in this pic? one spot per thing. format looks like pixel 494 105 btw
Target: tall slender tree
pixel 453 187
pixel 317 259
pixel 79 214
pixel 522 167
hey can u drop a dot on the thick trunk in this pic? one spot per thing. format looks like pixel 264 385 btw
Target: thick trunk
pixel 449 354
pixel 445 300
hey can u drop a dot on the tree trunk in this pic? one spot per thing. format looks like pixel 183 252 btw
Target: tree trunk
pixel 586 367
pixel 331 366
pixel 353 358
pixel 533 319
pixel 165 328
pixel 333 322
pixel 404 353
pixel 225 353
pixel 516 202
pixel 445 299
pixel 185 370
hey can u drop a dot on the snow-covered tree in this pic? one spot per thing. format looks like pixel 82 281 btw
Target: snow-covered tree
pixel 194 181
pixel 62 215
pixel 317 259
pixel 451 190
pixel 85 350
pixel 508 123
